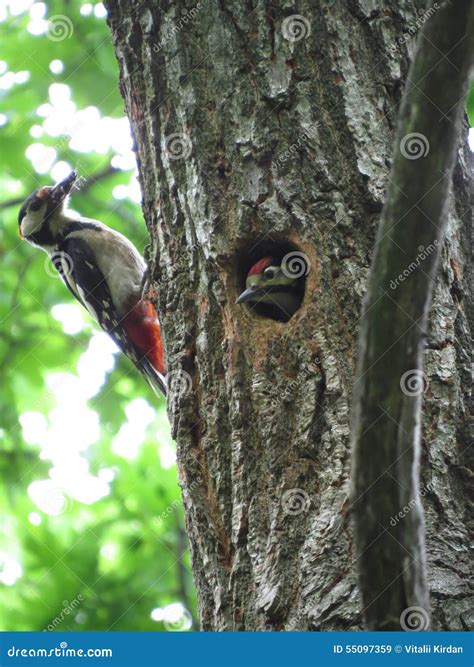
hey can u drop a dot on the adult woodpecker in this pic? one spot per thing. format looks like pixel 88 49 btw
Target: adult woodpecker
pixel 102 269
pixel 273 288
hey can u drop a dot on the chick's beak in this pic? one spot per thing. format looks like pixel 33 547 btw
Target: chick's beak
pixel 249 293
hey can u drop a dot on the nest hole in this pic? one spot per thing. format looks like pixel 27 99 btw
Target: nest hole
pixel 294 265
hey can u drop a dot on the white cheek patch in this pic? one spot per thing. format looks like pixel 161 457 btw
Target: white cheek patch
pixel 32 221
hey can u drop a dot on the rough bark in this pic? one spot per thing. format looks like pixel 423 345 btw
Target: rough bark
pixel 389 379
pixel 252 136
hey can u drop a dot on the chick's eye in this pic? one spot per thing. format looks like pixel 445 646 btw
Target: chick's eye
pixel 269 273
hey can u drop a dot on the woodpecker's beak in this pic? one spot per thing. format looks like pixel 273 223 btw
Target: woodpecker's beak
pixel 61 190
pixel 250 293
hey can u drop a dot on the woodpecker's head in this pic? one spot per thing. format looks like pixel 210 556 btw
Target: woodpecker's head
pixel 275 291
pixel 45 203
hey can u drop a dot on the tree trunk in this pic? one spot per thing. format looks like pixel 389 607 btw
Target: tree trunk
pixel 387 396
pixel 258 131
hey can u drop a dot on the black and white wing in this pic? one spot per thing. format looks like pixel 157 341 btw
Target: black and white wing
pixel 76 265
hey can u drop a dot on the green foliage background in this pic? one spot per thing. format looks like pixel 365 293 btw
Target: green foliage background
pixel 108 564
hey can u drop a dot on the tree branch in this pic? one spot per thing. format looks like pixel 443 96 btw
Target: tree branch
pixel 389 384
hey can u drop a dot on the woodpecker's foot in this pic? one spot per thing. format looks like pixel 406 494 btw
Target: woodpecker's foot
pixel 148 286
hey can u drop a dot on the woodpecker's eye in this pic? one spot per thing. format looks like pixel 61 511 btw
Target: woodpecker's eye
pixel 270 273
pixel 35 204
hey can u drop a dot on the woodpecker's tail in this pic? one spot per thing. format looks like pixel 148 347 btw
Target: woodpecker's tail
pixel 143 330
